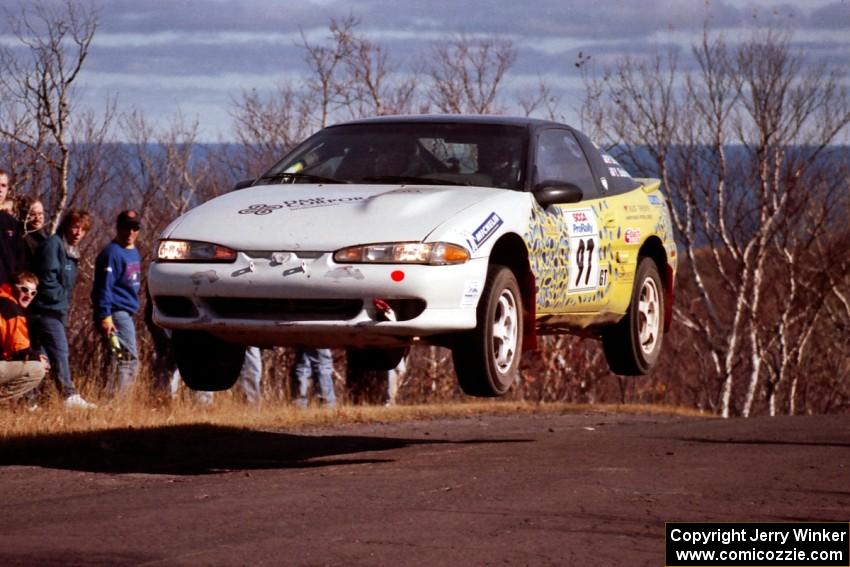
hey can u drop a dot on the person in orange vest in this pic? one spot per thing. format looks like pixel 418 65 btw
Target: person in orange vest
pixel 21 369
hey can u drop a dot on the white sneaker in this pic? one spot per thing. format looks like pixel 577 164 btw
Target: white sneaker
pixel 77 402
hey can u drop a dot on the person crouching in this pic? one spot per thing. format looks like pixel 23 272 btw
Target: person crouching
pixel 21 369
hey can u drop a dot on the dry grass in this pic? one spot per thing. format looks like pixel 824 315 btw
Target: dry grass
pixel 52 418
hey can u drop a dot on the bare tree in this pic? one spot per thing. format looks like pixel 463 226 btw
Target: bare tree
pixel 162 171
pixel 267 127
pixel 740 145
pixel 370 85
pixel 348 76
pixel 325 62
pixel 542 101
pixel 564 369
pixel 40 82
pixel 466 74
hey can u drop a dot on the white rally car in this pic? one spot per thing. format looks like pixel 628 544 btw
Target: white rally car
pixel 473 232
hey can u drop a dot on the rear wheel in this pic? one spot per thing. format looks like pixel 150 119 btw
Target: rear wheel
pixel 633 345
pixel 206 362
pixel 487 359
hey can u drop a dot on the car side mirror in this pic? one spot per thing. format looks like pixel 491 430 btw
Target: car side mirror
pixel 242 184
pixel 557 192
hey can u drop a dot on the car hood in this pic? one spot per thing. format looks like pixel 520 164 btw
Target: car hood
pixel 324 217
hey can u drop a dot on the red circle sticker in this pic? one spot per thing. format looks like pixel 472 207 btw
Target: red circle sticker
pixel 397 275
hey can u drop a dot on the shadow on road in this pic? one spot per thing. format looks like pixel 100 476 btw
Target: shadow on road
pixel 199 449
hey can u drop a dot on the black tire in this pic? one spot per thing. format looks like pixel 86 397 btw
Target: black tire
pixel 206 362
pixel 487 359
pixel 633 345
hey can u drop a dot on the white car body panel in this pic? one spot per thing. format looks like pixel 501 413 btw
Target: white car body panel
pixel 286 235
pixel 324 217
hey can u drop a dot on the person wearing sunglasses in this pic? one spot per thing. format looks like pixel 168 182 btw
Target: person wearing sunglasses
pixel 115 299
pixel 21 369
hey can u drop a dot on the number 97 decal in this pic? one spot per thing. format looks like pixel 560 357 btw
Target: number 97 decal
pixel 584 250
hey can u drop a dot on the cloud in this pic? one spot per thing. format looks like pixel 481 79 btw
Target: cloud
pixel 201 53
pixel 832 16
pixel 194 59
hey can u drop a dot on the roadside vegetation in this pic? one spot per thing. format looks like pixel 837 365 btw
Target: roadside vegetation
pixel 140 413
pixel 750 141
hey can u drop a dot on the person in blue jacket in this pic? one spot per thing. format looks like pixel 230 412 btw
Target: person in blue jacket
pixel 115 299
pixel 55 264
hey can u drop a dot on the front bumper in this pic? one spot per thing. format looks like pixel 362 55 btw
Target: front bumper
pixel 286 298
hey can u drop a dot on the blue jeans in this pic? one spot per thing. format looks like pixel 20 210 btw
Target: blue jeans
pixel 251 374
pixel 48 334
pixel 122 373
pixel 320 361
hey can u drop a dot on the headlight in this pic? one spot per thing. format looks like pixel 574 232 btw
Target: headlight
pixel 435 254
pixel 191 251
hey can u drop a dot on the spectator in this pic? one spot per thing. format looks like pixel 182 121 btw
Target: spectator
pixel 250 377
pixel 21 370
pixel 56 267
pixel 9 236
pixel 31 228
pixel 319 361
pixel 394 379
pixel 115 299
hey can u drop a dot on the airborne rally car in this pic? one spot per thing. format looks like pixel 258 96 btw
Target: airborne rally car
pixel 473 232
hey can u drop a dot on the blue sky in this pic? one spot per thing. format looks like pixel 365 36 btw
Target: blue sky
pixel 195 56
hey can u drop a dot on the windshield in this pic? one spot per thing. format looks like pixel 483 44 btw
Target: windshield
pixel 483 155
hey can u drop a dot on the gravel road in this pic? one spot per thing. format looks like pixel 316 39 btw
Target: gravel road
pixel 568 489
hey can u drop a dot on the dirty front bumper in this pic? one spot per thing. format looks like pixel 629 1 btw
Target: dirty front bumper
pixel 286 298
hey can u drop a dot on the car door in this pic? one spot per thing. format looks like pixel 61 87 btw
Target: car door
pixel 574 268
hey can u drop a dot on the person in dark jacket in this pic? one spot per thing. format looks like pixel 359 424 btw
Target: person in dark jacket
pixel 31 228
pixel 21 370
pixel 56 267
pixel 10 239
pixel 115 299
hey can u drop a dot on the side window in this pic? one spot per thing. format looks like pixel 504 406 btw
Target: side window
pixel 559 158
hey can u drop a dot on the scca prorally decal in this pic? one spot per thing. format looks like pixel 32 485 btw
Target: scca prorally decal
pixel 486 229
pixel 581 223
pixel 260 209
pixel 293 204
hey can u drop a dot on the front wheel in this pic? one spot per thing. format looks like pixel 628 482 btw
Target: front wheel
pixel 633 345
pixel 487 359
pixel 207 363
